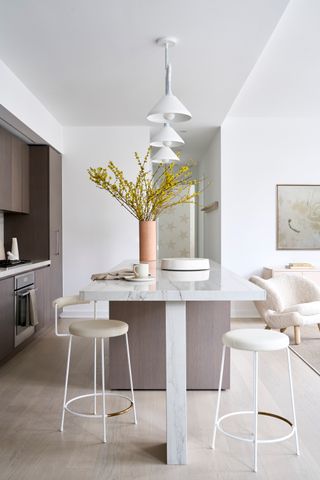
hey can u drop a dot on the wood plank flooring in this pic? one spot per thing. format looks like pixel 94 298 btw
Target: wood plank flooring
pixel 31 447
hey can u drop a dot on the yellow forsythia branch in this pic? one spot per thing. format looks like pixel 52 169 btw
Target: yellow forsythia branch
pixel 150 194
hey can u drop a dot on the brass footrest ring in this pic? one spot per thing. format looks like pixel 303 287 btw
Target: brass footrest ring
pixel 251 438
pixel 268 414
pixel 95 415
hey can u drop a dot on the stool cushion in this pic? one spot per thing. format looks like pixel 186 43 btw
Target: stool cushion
pixel 255 340
pixel 98 328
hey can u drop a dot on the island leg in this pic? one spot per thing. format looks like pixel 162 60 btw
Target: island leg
pixel 176 383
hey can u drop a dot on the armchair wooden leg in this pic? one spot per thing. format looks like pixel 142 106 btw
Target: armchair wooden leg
pixel 297 335
pixel 269 328
pixel 319 326
pixel 282 330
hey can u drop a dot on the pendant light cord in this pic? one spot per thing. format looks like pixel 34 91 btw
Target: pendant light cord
pixel 168 70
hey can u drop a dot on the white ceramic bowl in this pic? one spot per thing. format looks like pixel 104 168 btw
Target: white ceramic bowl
pixel 185 264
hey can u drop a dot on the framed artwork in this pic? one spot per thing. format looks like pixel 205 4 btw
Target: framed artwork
pixel 298 217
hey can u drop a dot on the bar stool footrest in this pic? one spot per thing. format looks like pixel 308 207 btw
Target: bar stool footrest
pixel 95 415
pixel 251 438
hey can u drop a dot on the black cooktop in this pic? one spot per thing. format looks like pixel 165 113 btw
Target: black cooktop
pixel 12 263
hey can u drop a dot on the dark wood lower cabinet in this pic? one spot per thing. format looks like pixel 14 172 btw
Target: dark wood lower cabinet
pixel 6 317
pixel 42 284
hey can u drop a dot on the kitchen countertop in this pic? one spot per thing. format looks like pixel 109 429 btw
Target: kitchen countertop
pixel 25 267
pixel 217 283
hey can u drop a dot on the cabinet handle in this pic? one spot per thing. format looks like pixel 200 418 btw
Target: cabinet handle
pixel 57 242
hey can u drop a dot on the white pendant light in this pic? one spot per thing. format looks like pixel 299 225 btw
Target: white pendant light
pixel 164 155
pixel 167 137
pixel 169 108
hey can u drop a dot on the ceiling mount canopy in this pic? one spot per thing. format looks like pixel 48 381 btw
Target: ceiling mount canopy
pixel 169 108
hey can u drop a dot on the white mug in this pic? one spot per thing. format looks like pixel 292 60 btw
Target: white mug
pixel 141 270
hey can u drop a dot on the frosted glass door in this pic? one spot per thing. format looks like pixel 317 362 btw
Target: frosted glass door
pixel 176 232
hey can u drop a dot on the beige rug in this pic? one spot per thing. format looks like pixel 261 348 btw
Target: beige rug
pixel 309 349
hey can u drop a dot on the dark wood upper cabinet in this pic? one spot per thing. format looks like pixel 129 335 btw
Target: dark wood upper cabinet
pixel 14 173
pixel 5 170
pixel 20 176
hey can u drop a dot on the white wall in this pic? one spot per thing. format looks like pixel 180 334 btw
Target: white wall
pixel 97 232
pixel 285 80
pixel 209 224
pixel 257 154
pixel 19 101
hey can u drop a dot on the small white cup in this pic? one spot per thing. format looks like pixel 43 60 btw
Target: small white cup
pixel 141 270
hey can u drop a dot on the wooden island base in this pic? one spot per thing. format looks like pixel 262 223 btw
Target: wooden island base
pixel 207 321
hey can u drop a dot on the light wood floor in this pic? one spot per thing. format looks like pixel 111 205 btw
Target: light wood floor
pixel 31 447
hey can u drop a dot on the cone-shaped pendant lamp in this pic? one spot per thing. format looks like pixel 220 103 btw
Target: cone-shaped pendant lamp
pixel 164 155
pixel 167 137
pixel 169 107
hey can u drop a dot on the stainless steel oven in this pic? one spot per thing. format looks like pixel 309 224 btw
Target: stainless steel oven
pixel 23 284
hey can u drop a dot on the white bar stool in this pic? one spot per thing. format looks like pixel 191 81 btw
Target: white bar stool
pixel 98 329
pixel 255 340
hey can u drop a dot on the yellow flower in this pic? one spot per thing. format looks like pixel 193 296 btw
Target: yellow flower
pixel 151 193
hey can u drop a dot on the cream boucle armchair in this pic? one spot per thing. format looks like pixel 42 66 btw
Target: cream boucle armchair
pixel 291 301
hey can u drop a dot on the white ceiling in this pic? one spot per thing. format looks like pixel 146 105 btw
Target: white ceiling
pixel 95 63
pixel 286 80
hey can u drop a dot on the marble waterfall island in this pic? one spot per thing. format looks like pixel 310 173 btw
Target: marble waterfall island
pixel 175 329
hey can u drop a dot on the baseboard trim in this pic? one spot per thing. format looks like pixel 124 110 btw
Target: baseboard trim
pixel 244 310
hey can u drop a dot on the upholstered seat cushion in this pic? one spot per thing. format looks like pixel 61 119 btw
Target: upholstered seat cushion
pixel 256 340
pixel 98 328
pixel 310 308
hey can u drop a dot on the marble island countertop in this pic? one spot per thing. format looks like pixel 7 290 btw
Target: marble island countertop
pixel 24 267
pixel 216 284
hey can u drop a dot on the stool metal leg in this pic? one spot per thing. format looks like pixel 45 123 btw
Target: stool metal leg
pixel 66 383
pixel 103 393
pixel 255 409
pixel 292 402
pixel 131 383
pixel 95 364
pixel 95 376
pixel 219 397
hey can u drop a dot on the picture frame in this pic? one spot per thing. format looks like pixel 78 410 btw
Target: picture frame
pixel 298 217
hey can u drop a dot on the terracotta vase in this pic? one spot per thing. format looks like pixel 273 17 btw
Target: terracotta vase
pixel 148 241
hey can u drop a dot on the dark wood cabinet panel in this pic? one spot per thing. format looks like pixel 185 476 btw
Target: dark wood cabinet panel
pixel 206 323
pixel 6 317
pixel 20 175
pixel 55 173
pixel 42 284
pixel 5 170
pixel 32 231
pixel 14 173
pixel 55 223
pixel 40 233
